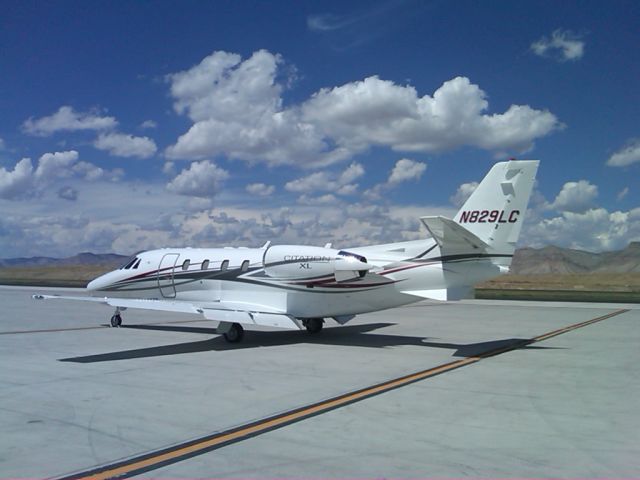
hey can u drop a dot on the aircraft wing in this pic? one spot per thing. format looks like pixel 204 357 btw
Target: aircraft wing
pixel 234 312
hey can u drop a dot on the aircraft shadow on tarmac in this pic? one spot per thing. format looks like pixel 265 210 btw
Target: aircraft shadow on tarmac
pixel 352 335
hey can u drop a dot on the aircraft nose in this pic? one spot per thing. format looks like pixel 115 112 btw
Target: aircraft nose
pixel 98 283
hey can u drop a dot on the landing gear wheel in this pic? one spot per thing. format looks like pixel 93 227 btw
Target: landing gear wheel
pixel 116 320
pixel 235 333
pixel 314 325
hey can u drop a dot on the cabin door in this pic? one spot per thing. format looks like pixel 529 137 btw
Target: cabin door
pixel 165 275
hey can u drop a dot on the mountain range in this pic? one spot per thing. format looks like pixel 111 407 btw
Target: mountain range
pixel 85 258
pixel 526 261
pixel 531 261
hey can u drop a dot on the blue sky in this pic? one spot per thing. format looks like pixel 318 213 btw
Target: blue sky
pixel 134 125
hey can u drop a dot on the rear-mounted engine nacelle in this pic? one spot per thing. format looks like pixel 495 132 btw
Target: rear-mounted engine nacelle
pixel 313 263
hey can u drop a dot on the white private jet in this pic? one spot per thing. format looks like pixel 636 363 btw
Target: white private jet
pixel 298 286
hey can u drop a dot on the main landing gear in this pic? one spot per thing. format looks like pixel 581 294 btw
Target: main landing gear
pixel 313 325
pixel 234 334
pixel 116 319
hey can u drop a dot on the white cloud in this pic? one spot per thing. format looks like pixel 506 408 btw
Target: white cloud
pixel 17 182
pixel 405 170
pixel 149 124
pixel 576 197
pixel 463 193
pixel 66 119
pixel 622 194
pixel 563 45
pixel 24 181
pixel 626 156
pixel 593 230
pixel 201 179
pixel 379 112
pixel 238 111
pixel 327 199
pixel 2 145
pixel 91 172
pixel 260 189
pixel 123 145
pixel 318 181
pixel 56 165
pixel 325 181
pixel 68 193
pixel 353 172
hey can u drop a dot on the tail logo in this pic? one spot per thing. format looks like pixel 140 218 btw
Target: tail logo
pixel 489 216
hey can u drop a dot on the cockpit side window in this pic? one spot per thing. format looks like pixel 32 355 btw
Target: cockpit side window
pixel 132 262
pixel 129 264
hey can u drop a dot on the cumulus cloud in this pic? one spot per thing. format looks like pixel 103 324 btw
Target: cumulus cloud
pixel 56 165
pixel 595 229
pixel 622 194
pixel 67 119
pixel 380 112
pixel 325 181
pixel 327 199
pixel 68 193
pixel 463 193
pixel 576 197
pixel 201 179
pixel 405 170
pixel 563 45
pixel 260 189
pixel 238 111
pixel 626 156
pixel 24 181
pixel 123 145
pixel 17 182
pixel 148 124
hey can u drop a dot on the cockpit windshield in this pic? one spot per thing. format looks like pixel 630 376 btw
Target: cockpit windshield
pixel 131 263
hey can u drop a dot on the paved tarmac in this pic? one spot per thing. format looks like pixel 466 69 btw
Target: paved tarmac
pixel 509 401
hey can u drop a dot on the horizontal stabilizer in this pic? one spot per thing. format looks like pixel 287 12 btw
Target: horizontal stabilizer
pixel 450 235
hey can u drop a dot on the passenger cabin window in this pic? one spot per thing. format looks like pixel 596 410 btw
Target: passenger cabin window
pixel 245 266
pixel 224 265
pixel 205 265
pixel 185 265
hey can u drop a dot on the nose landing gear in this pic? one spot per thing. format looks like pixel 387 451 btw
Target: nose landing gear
pixel 313 325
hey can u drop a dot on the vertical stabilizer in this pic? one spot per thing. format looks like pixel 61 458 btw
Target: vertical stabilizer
pixel 495 210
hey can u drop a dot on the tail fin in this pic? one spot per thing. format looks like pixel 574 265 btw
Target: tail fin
pixel 495 210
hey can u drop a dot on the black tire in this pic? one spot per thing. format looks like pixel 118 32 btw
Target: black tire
pixel 116 320
pixel 314 325
pixel 235 333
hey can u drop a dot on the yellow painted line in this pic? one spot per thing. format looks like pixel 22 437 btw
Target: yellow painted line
pixel 157 459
